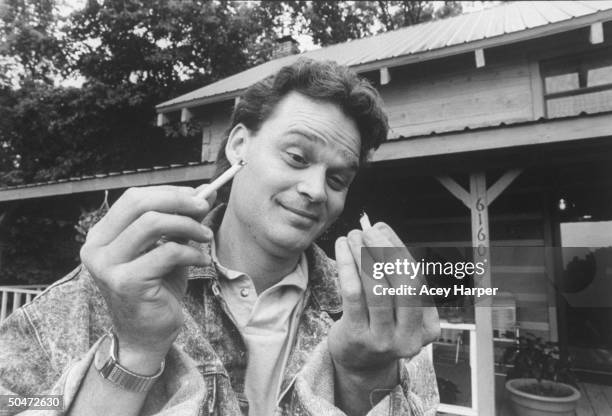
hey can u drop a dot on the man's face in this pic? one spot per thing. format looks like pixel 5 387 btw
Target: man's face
pixel 299 168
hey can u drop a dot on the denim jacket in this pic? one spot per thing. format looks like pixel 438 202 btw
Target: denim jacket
pixel 47 346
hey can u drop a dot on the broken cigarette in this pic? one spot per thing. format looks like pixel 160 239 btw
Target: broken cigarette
pixel 221 180
pixel 365 221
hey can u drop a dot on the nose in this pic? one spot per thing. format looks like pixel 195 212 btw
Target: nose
pixel 312 184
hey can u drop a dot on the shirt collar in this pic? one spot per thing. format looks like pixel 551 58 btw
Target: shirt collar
pixel 298 277
pixel 320 269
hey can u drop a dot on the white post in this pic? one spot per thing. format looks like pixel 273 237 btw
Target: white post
pixel 161 119
pixel 186 115
pixel 480 58
pixel 485 404
pixel 385 76
pixel 474 370
pixel 16 301
pixel 596 34
pixel 4 307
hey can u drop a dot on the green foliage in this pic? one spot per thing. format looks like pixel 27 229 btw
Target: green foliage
pixel 447 390
pixel 51 133
pixel 88 219
pixel 41 250
pixel 534 358
pixel 161 43
pixel 29 36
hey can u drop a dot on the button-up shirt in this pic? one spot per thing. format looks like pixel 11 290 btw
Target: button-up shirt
pixel 268 324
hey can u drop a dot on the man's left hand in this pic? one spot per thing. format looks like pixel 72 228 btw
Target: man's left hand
pixel 376 331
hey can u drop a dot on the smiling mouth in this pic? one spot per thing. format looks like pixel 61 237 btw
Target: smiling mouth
pixel 305 214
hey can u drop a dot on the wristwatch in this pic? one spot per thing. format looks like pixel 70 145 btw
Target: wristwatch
pixel 109 368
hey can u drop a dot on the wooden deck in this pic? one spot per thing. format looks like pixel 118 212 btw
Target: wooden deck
pixel 596 400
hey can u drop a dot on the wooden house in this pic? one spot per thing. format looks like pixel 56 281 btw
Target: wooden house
pixel 501 137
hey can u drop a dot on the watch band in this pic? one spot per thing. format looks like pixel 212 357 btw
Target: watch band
pixel 120 376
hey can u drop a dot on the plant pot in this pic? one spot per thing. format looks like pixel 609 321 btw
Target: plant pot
pixel 526 404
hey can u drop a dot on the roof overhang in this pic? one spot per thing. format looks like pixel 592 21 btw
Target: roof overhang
pixel 118 181
pixel 226 96
pixel 588 127
pixel 502 40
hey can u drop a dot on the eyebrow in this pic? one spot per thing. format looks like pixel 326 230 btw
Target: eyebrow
pixel 353 161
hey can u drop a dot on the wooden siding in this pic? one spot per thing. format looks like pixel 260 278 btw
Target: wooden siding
pixel 214 120
pixel 418 104
pixel 425 99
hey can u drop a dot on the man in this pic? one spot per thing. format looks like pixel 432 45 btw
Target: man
pixel 255 332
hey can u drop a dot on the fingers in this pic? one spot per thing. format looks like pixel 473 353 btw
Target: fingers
pixel 210 197
pixel 161 261
pixel 149 228
pixel 381 235
pixel 353 301
pixel 379 308
pixel 136 201
pixel 431 325
pixel 417 322
pixel 382 242
pixel 389 234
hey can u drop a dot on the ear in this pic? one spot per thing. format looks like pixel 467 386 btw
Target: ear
pixel 237 143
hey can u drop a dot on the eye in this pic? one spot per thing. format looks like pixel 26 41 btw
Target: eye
pixel 297 159
pixel 337 183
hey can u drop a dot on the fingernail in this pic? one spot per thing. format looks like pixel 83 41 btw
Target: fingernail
pixel 353 237
pixel 201 203
pixel 207 232
pixel 206 260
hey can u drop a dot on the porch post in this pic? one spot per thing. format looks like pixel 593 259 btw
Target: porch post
pixel 482 314
pixel 478 200
pixel 3 216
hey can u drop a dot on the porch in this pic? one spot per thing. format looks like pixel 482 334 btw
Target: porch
pixel 596 400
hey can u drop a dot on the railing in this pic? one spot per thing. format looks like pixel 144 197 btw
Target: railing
pixel 12 297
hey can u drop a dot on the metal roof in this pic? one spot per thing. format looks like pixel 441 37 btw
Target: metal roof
pixel 175 173
pixel 503 24
pixel 107 174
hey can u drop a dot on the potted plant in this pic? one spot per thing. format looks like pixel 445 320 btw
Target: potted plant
pixel 539 381
pixel 447 390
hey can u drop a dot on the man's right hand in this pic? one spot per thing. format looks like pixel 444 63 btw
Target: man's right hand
pixel 142 279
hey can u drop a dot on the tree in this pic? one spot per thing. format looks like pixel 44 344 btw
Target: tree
pixel 338 21
pixel 29 36
pixel 164 42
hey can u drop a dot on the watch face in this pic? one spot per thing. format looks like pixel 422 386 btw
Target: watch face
pixel 102 353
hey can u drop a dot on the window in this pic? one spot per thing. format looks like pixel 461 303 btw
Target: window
pixel 579 83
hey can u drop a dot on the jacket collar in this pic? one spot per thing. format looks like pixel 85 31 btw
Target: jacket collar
pixel 322 272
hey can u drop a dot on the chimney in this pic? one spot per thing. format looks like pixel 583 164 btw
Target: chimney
pixel 285 46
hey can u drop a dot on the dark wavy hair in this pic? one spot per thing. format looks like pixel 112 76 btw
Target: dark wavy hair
pixel 321 80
